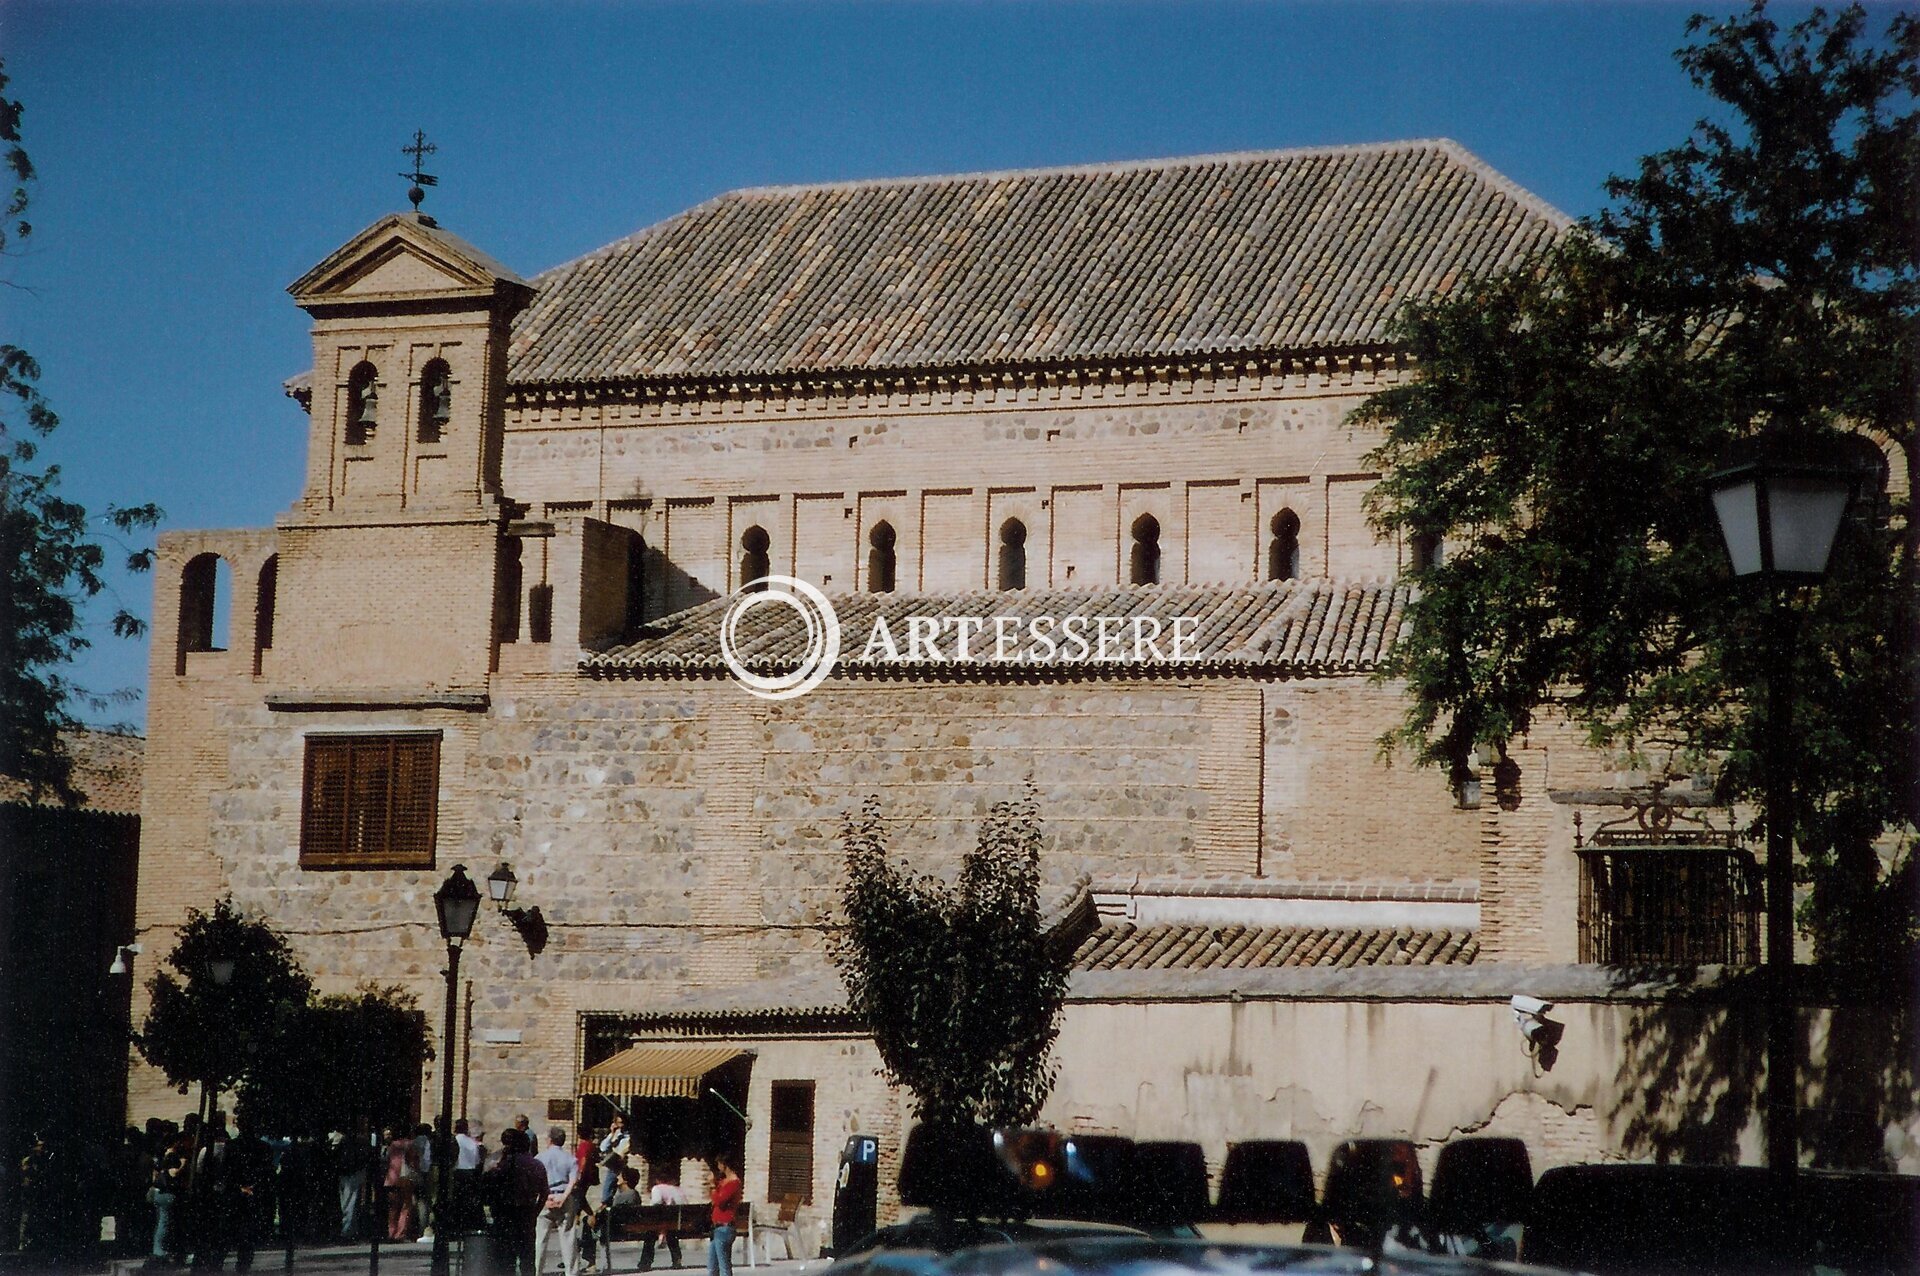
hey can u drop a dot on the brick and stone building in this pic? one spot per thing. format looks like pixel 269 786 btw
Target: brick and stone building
pixel 486 631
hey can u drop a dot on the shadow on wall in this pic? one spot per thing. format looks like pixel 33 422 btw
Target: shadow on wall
pixel 656 586
pixel 1693 1068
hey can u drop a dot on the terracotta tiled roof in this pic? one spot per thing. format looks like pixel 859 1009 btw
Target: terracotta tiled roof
pixel 1239 886
pixel 1305 626
pixel 1188 946
pixel 1281 250
pixel 1106 953
pixel 106 772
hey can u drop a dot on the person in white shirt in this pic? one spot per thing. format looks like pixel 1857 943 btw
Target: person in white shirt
pixel 665 1192
pixel 464 1195
pixel 562 1172
pixel 613 1157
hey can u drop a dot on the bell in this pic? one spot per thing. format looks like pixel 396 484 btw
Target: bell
pixel 442 401
pixel 369 406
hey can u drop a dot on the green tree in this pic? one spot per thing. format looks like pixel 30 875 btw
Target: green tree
pixel 1564 419
pixel 199 1030
pixel 349 1062
pixel 960 984
pixel 52 559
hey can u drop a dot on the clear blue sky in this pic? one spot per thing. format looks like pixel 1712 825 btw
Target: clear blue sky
pixel 196 158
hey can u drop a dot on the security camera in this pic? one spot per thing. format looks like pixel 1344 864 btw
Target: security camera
pixel 1541 1034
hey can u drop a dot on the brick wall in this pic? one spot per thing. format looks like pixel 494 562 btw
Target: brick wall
pixel 1212 462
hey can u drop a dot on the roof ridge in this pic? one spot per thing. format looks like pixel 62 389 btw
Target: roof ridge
pixel 1090 168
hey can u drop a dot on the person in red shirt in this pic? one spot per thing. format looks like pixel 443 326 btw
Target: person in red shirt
pixel 726 1205
pixel 585 1153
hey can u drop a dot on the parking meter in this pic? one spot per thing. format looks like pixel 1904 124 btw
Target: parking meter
pixel 856 1192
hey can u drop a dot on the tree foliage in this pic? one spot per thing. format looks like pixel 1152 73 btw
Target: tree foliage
pixel 959 984
pixel 1565 417
pixel 198 1031
pixel 349 1063
pixel 49 551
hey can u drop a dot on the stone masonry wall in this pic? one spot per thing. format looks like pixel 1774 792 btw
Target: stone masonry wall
pixel 680 836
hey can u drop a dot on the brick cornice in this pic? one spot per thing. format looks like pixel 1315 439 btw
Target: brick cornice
pixel 542 404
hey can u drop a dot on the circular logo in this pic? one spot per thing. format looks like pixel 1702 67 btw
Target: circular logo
pixel 823 636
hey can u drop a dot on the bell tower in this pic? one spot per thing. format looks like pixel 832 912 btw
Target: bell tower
pixel 409 351
pixel 393 545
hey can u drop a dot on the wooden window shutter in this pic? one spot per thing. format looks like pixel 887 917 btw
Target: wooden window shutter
pixel 370 801
pixel 790 1142
pixel 323 824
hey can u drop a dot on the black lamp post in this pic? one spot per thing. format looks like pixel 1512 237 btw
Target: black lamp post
pixel 1779 513
pixel 457 903
pixel 219 969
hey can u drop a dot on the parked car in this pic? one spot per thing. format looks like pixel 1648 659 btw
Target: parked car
pixel 1162 1256
pixel 1653 1220
pixel 944 1234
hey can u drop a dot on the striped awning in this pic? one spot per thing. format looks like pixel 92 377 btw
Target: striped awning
pixel 655 1071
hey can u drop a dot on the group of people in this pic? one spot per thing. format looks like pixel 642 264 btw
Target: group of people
pixel 192 1192
pixel 556 1198
pixel 189 1195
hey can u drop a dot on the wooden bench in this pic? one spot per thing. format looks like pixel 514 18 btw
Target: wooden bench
pixel 635 1223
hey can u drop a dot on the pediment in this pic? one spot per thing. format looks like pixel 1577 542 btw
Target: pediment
pixel 400 258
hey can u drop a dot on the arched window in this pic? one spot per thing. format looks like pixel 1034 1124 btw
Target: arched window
pixel 1283 551
pixel 754 562
pixel 1012 567
pixel 363 404
pixel 636 581
pixel 1864 456
pixel 1144 567
pixel 263 602
pixel 880 559
pixel 1428 551
pixel 204 591
pixel 436 400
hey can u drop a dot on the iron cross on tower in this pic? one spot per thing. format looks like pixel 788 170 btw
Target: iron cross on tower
pixel 420 149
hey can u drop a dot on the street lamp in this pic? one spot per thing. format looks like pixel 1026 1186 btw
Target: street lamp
pixel 457 903
pixel 500 885
pixel 1779 511
pixel 220 969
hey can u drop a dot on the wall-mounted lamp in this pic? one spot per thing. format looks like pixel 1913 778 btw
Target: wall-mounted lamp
pixel 501 884
pixel 120 955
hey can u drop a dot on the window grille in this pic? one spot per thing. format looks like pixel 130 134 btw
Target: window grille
pixel 1654 893
pixel 370 801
